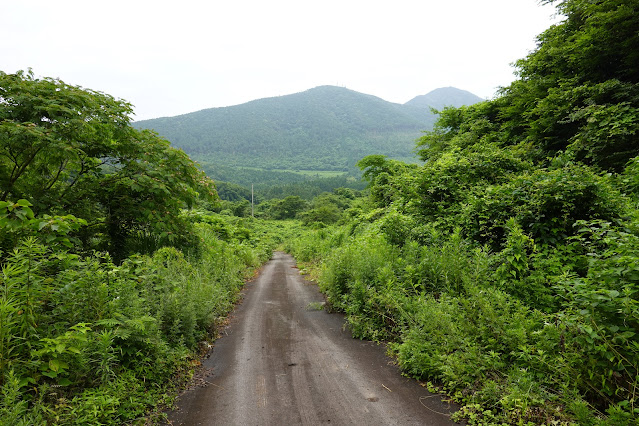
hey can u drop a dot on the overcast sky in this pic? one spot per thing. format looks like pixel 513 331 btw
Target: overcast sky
pixel 170 58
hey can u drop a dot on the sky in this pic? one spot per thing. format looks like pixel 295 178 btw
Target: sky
pixel 174 57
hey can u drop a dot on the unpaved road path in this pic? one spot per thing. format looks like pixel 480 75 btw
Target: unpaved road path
pixel 281 362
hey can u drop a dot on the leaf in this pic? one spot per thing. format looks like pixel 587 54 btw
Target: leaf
pixel 24 203
pixel 74 350
pixel 54 365
pixel 64 382
pixel 627 334
pixel 57 365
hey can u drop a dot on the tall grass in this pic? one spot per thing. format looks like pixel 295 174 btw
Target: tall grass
pixel 454 314
pixel 85 341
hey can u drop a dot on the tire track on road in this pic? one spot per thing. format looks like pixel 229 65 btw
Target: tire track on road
pixel 282 363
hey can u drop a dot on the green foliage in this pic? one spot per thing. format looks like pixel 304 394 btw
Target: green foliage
pixel 69 150
pixel 325 128
pixel 17 221
pixel 577 92
pixel 107 338
pixel 584 46
pixel 458 127
pixel 505 268
pixel 388 179
pixel 545 203
pixel 312 244
pixel 310 189
pixel 445 185
pixel 287 208
pixel 234 183
pixel 603 309
pixel 53 135
pixel 94 336
pixel 324 214
pixel 630 178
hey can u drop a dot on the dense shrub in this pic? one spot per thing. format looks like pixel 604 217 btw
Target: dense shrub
pixel 545 203
pixel 84 341
pixel 446 183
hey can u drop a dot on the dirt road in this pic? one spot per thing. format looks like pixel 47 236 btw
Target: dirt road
pixel 282 361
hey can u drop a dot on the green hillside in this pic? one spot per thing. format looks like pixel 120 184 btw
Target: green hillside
pixel 325 128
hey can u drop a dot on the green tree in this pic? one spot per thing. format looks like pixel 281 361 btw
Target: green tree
pixel 577 94
pixel 288 208
pixel 389 180
pixel 71 150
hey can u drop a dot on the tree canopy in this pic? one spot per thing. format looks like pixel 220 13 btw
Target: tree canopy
pixel 577 94
pixel 69 150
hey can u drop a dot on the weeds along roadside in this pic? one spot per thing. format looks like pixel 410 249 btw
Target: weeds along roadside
pixel 454 315
pixel 85 341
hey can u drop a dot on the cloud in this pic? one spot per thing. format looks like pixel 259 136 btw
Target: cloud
pixel 169 58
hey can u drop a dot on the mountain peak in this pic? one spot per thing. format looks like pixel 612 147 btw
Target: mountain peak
pixel 323 128
pixel 443 97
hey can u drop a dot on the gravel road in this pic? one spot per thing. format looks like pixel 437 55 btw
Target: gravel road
pixel 283 361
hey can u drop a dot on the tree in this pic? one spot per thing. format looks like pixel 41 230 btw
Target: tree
pixel 71 150
pixel 326 214
pixel 288 208
pixel 577 94
pixel 579 90
pixel 389 180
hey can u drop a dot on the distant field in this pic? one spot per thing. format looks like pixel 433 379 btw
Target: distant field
pixel 316 173
pixel 308 173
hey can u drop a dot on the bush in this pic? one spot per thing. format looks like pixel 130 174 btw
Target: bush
pixel 445 184
pixel 602 312
pixel 85 341
pixel 545 204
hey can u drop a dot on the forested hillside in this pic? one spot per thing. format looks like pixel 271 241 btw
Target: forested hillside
pixel 325 128
pixel 505 270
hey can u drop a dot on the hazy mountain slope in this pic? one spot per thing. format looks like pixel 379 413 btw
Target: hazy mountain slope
pixel 445 96
pixel 325 128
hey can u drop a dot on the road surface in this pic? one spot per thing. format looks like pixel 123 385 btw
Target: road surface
pixel 283 361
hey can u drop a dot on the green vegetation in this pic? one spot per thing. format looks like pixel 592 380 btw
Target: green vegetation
pixel 86 341
pixel 311 188
pixel 504 270
pixel 234 184
pixel 302 144
pixel 113 269
pixel 326 208
pixel 323 129
pixel 70 151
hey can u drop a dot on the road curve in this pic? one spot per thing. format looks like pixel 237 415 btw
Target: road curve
pixel 282 362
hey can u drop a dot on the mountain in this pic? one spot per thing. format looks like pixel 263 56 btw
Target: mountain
pixel 443 97
pixel 325 128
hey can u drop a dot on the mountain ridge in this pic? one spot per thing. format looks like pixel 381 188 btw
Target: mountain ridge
pixel 322 128
pixel 443 97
